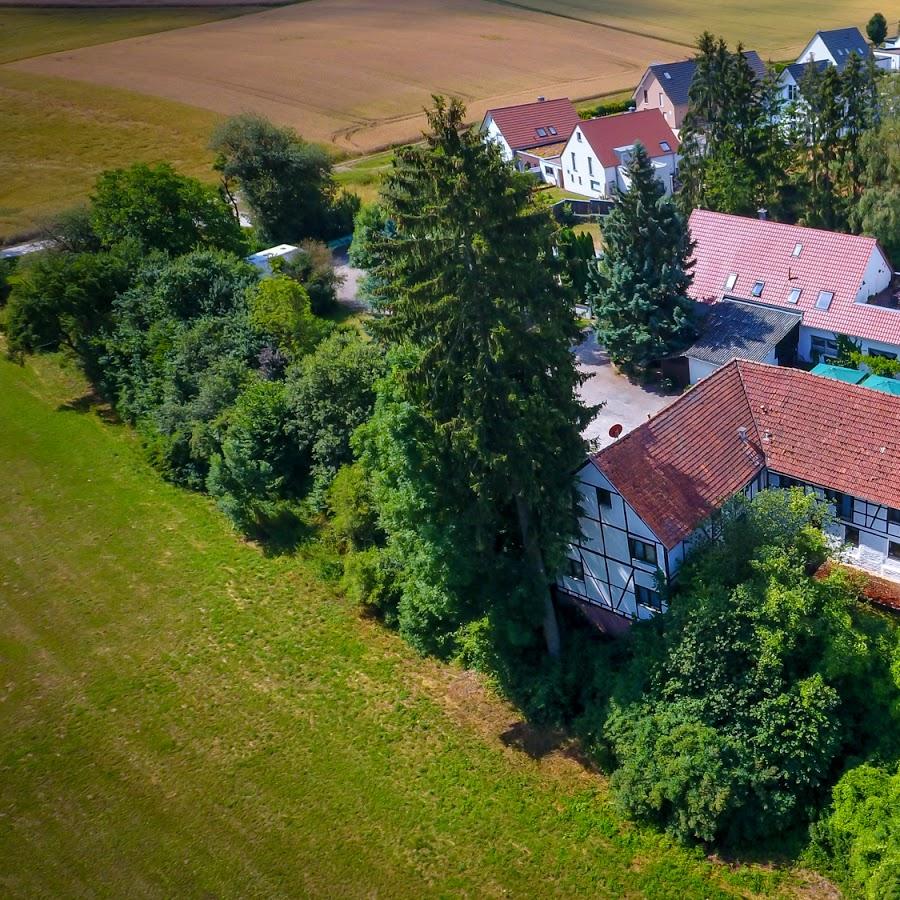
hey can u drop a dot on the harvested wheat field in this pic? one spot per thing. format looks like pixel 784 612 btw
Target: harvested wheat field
pixel 358 73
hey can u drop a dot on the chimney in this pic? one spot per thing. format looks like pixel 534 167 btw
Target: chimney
pixel 742 434
pixel 767 436
pixel 541 99
pixel 762 212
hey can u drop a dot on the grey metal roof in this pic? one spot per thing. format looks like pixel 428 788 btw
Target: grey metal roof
pixel 737 330
pixel 842 42
pixel 676 77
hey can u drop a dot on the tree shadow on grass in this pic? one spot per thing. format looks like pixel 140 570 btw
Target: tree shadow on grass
pixel 91 402
pixel 539 743
pixel 282 533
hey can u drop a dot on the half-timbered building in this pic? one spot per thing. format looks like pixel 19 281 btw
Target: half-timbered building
pixel 647 499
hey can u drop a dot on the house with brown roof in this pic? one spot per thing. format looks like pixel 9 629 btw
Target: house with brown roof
pixel 648 499
pixel 837 284
pixel 597 154
pixel 532 135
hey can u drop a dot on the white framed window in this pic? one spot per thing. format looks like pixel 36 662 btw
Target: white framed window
pixel 758 288
pixel 574 167
pixel 665 146
pixel 823 301
pixel 648 597
pixel 590 166
pixel 798 249
pixel 730 281
pixel 794 295
pixel 642 551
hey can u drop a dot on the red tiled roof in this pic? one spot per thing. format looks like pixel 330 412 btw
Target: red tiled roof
pixel 625 130
pixel 757 250
pixel 519 124
pixel 679 467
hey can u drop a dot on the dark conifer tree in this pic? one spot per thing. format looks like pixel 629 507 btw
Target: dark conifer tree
pixel 639 298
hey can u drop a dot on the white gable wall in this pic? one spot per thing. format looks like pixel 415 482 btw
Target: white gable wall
pixel 491 131
pixel 816 50
pixel 583 173
pixel 876 277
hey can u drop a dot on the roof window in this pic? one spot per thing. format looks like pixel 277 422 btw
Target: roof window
pixel 552 130
pixel 730 281
pixel 667 75
pixel 542 132
pixel 758 288
pixel 794 295
pixel 665 146
pixel 798 249
pixel 823 301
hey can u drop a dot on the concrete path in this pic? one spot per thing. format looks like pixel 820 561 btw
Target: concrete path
pixel 627 404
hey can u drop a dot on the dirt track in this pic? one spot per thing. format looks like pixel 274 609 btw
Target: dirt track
pixel 358 73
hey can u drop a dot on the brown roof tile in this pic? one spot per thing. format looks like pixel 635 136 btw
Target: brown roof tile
pixel 519 124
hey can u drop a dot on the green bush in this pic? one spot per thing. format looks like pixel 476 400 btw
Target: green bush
pixel 860 835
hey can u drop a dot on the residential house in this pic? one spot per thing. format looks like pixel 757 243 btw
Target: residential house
pixel 835 47
pixel 596 155
pixel 532 135
pixel 792 77
pixel 838 284
pixel 652 496
pixel 665 87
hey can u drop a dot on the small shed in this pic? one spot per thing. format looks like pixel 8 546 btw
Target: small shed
pixel 263 260
pixel 733 329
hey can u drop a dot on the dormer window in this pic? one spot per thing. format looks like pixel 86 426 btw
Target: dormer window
pixel 542 132
pixel 798 249
pixel 730 281
pixel 823 301
pixel 758 288
pixel 665 146
pixel 794 295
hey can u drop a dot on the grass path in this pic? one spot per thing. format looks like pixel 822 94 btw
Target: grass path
pixel 182 716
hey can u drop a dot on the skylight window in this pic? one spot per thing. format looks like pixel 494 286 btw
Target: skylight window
pixel 823 301
pixel 794 295
pixel 758 288
pixel 665 146
pixel 552 130
pixel 667 76
pixel 730 281
pixel 542 132
pixel 798 249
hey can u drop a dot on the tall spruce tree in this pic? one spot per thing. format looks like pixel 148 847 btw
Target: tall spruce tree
pixel 482 333
pixel 639 296
pixel 731 152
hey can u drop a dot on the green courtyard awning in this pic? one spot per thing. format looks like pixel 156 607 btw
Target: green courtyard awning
pixel 839 373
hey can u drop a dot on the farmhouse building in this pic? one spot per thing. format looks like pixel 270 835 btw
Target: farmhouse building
pixel 836 284
pixel 652 496
pixel 532 135
pixel 665 86
pixel 596 155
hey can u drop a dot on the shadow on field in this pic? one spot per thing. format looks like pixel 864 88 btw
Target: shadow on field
pixel 91 402
pixel 541 742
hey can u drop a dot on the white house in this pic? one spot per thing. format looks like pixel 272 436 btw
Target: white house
pixel 651 496
pixel 264 259
pixel 596 155
pixel 533 134
pixel 838 284
pixel 835 47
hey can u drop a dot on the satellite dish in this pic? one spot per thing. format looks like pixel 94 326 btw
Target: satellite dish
pixel 615 431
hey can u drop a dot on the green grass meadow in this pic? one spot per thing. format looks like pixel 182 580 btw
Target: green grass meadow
pixel 181 715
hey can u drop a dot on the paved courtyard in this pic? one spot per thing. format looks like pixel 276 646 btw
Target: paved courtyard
pixel 627 404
